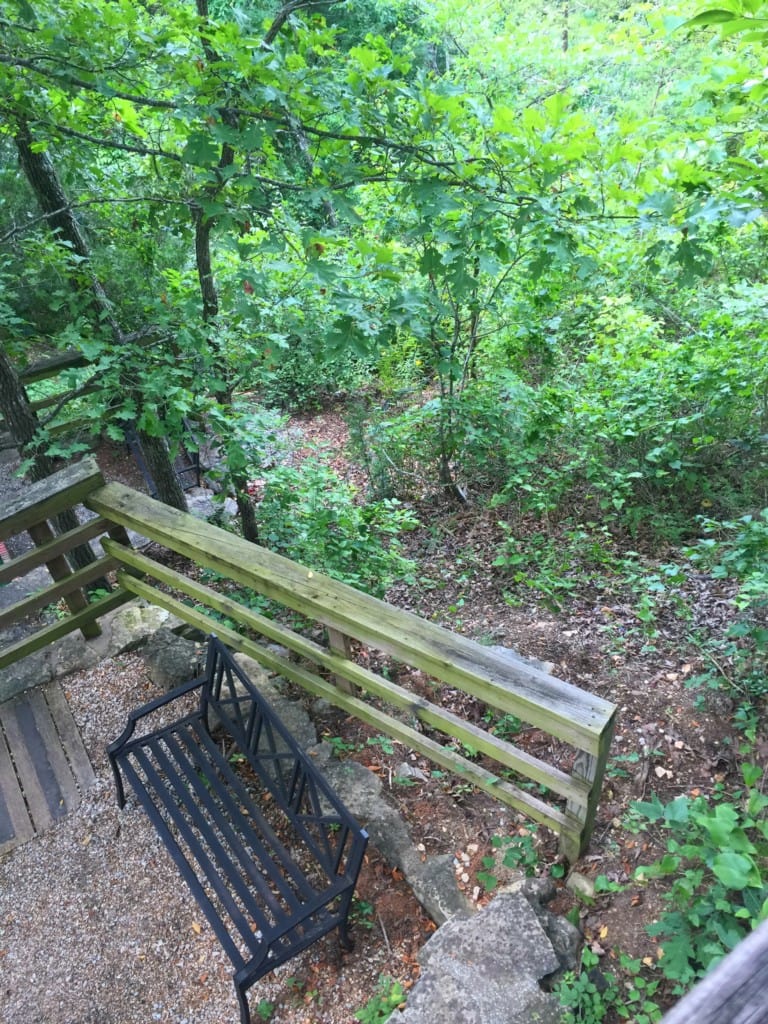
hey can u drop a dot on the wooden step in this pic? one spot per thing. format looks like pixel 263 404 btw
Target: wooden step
pixel 44 768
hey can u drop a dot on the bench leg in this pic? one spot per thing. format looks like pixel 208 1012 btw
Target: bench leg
pixel 345 939
pixel 118 781
pixel 242 998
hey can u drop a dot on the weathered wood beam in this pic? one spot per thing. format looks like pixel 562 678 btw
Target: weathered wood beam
pixel 559 708
pixel 58 567
pixel 44 637
pixel 591 769
pixel 411 738
pixel 49 496
pixel 58 546
pixel 69 585
pixel 507 754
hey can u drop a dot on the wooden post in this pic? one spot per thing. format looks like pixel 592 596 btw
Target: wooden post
pixel 589 768
pixel 58 567
pixel 340 644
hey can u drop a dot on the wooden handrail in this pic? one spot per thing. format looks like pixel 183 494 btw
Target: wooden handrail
pixel 563 798
pixel 562 710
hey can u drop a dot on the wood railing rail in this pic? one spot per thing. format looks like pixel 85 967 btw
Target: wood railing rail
pixel 34 512
pixel 584 722
pixel 331 662
pixel 46 369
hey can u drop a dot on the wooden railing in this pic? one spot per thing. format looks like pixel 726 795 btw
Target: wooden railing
pixel 34 514
pixel 47 369
pixel 334 667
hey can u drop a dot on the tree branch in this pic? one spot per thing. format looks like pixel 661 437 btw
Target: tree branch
pixel 22 228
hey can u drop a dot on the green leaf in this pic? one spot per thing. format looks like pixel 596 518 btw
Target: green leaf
pixel 716 16
pixel 735 870
pixel 676 812
pixel 200 150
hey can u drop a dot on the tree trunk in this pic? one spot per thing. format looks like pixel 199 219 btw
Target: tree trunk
pixel 161 470
pixel 41 174
pixel 208 291
pixel 23 425
pixel 20 417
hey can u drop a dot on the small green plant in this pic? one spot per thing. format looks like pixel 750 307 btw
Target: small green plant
pixel 505 726
pixel 361 913
pixel 591 995
pixel 519 852
pixel 264 1010
pixel 603 884
pixel 386 744
pixel 389 995
pixel 717 861
pixel 340 746
pixel 58 610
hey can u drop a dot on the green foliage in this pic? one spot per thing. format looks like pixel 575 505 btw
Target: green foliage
pixel 340 746
pixel 379 1008
pixel 518 853
pixel 312 516
pixel 592 995
pixel 306 376
pixel 717 867
pixel 738 661
pixel 385 744
pixel 265 1009
pixel 474 438
pixel 361 913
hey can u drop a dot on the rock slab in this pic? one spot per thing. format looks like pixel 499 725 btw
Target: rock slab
pixel 486 970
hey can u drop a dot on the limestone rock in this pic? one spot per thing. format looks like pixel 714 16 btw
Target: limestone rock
pixel 171 660
pixel 565 937
pixel 485 970
pixel 131 626
pixel 433 881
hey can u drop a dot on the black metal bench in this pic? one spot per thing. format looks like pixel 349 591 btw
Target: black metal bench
pixel 265 845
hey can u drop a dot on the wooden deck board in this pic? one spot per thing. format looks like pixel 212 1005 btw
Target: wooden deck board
pixel 70 736
pixel 15 824
pixel 44 768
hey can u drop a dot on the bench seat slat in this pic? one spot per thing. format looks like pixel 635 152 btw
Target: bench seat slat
pixel 267 836
pixel 229 855
pixel 165 800
pixel 187 871
pixel 238 788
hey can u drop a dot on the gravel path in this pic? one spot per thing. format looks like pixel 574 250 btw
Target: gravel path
pixel 96 926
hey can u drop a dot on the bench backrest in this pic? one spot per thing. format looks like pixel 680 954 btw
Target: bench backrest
pixel 298 788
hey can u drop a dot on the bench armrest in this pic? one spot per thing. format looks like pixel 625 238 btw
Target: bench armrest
pixel 136 715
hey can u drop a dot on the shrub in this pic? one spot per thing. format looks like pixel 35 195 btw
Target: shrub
pixel 716 861
pixel 310 515
pixel 303 377
pixel 476 435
